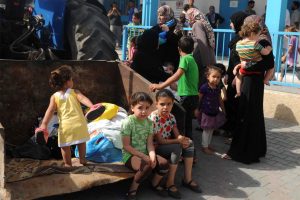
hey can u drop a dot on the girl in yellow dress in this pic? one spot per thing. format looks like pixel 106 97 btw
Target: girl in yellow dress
pixel 72 123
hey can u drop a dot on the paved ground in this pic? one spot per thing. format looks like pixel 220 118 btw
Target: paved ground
pixel 276 177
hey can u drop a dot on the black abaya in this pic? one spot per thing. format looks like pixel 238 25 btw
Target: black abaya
pixel 249 138
pixel 249 141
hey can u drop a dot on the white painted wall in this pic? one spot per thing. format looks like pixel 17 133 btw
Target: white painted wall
pixel 203 5
pixel 260 7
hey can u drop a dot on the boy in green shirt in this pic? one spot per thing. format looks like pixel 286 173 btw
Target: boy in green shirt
pixel 188 76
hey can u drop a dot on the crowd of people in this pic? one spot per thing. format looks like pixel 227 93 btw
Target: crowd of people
pixel 230 99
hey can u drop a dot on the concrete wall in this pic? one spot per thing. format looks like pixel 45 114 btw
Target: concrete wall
pixel 281 105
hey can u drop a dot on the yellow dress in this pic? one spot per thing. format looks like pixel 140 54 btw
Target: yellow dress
pixel 72 123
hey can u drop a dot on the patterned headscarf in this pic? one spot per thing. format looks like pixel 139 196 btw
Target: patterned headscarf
pixel 265 35
pixel 166 11
pixel 193 15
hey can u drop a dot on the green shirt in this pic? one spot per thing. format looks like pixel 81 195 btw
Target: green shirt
pixel 138 131
pixel 188 82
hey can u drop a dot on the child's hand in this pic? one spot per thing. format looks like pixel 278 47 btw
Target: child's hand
pixel 152 160
pixel 186 143
pixel 235 69
pixel 153 87
pixel 180 139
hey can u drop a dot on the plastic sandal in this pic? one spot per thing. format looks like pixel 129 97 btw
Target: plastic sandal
pixel 174 194
pixel 226 157
pixel 189 185
pixel 96 111
pixel 131 195
pixel 41 136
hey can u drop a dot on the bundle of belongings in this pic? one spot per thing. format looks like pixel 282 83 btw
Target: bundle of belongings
pixel 105 144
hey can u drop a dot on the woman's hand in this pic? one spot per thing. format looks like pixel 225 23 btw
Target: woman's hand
pixel 164 27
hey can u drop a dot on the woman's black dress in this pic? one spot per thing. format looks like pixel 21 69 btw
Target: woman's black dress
pixel 249 138
pixel 168 52
pixel 146 60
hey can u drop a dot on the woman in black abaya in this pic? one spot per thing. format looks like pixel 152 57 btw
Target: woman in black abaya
pixel 249 138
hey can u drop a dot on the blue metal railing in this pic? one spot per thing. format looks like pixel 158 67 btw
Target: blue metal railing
pixel 291 76
pixel 286 73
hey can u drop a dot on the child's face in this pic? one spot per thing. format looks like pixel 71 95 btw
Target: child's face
pixel 164 105
pixel 141 110
pixel 136 20
pixel 214 77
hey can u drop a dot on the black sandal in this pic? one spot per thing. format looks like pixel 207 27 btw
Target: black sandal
pixel 159 190
pixel 174 194
pixel 131 195
pixel 189 185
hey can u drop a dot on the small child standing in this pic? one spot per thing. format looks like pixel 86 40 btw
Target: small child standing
pixel 210 103
pixel 250 50
pixel 187 76
pixel 138 150
pixel 170 144
pixel 66 101
pixel 132 49
pixel 290 58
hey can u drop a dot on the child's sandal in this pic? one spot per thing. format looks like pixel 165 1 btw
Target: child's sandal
pixel 189 185
pixel 41 136
pixel 131 195
pixel 159 190
pixel 175 194
pixel 96 111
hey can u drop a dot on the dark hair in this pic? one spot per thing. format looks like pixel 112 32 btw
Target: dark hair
pixel 134 40
pixel 211 68
pixel 60 76
pixel 137 15
pixel 140 96
pixel 296 3
pixel 186 44
pixel 221 67
pixel 186 7
pixel 251 2
pixel 164 93
pixel 248 28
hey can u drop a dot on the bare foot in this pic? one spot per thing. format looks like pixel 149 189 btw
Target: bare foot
pixel 266 82
pixel 238 94
pixel 207 150
pixel 67 165
pixel 211 148
pixel 83 161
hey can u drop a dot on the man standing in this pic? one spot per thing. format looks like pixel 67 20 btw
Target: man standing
pixel 250 7
pixel 295 15
pixel 214 18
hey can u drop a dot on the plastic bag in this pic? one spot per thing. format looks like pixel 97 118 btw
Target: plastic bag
pixel 101 149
